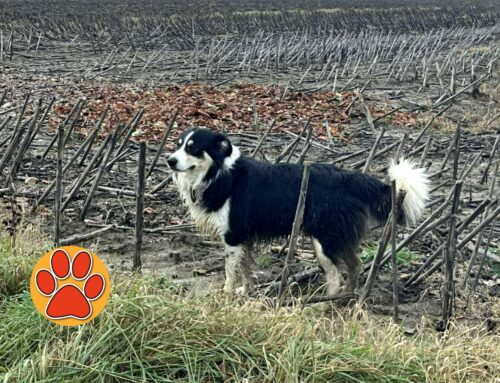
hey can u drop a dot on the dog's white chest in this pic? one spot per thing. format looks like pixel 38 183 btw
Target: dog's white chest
pixel 214 224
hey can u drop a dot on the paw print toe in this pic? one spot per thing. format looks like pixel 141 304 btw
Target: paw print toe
pixel 45 282
pixel 94 286
pixel 60 264
pixel 82 264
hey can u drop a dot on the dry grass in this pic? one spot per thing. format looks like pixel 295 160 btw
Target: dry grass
pixel 440 124
pixel 19 254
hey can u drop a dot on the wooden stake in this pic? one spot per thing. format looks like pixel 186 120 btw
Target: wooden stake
pixel 263 138
pixel 162 143
pixel 23 147
pixel 401 148
pixel 294 143
pixel 42 120
pixel 98 177
pixel 297 225
pixel 307 146
pixel 450 251
pixel 490 160
pixel 16 135
pixel 480 236
pixel 368 114
pixel 70 162
pixel 129 130
pixel 422 228
pixel 382 245
pixel 98 127
pixel 54 138
pixel 85 173
pixel 139 219
pixel 481 264
pixel 85 237
pixel 460 92
pixel 395 279
pixel 428 145
pixel 373 151
pixel 59 186
pixel 457 152
pixel 73 123
pixel 427 126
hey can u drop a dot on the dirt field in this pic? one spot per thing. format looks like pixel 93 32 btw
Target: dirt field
pixel 341 72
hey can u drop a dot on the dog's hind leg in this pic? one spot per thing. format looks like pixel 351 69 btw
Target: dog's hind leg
pixel 332 273
pixel 353 266
pixel 246 273
pixel 233 258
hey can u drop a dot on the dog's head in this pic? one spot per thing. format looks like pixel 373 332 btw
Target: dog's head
pixel 199 149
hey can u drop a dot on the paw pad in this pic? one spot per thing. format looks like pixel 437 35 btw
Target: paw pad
pixel 71 285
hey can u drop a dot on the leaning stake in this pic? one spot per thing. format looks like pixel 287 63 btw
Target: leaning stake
pixel 449 260
pixel 59 185
pixel 139 206
pixel 394 220
pixel 297 224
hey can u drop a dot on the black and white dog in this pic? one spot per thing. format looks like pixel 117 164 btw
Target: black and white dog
pixel 241 200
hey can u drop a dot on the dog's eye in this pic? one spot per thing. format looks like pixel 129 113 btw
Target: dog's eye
pixel 194 150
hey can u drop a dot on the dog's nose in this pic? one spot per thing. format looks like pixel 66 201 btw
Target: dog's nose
pixel 172 161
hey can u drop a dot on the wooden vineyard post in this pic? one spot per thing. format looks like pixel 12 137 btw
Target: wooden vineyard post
pixel 394 221
pixel 59 185
pixel 382 245
pixel 373 151
pixel 297 224
pixel 163 142
pixel 449 259
pixel 97 179
pixel 139 219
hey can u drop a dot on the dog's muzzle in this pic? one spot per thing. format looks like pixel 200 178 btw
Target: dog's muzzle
pixel 172 163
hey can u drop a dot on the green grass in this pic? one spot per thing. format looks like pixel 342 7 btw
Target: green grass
pixel 17 259
pixel 153 331
pixel 403 257
pixel 494 267
pixel 263 261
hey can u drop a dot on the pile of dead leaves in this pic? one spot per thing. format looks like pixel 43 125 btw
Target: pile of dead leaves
pixel 239 107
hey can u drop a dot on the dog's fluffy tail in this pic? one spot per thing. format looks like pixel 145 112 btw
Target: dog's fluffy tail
pixel 415 182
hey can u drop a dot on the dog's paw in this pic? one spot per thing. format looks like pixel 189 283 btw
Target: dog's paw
pixel 242 291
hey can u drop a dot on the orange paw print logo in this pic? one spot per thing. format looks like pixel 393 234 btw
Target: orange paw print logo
pixel 70 286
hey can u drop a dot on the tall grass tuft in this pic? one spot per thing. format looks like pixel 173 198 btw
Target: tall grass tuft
pixel 17 260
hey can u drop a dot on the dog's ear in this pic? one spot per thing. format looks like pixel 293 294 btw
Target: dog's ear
pixel 224 145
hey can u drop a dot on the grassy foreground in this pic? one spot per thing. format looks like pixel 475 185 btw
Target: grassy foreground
pixel 151 331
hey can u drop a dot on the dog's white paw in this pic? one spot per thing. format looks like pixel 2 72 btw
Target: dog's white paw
pixel 242 291
pixel 228 288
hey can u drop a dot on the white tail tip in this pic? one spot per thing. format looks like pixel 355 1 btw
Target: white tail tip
pixel 415 182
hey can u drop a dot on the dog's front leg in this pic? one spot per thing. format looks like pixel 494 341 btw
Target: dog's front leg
pixel 233 255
